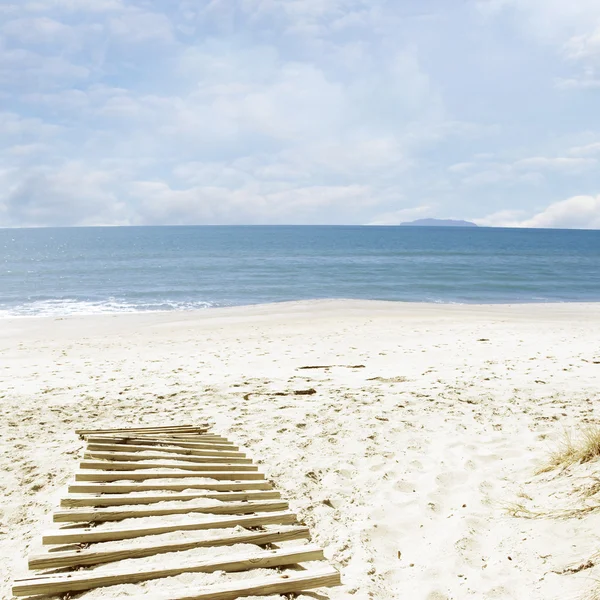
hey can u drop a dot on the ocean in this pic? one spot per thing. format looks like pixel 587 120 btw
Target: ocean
pixel 105 270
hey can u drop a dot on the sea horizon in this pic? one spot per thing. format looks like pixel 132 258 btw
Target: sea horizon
pixel 96 270
pixel 291 225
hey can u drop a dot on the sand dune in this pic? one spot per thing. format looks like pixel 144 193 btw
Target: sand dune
pixel 427 423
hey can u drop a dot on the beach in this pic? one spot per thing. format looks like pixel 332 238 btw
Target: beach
pixel 414 462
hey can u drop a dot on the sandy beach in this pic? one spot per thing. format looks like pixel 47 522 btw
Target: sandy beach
pixel 414 463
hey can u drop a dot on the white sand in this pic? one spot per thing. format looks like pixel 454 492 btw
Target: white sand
pixel 403 469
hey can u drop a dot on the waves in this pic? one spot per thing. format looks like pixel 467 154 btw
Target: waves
pixel 59 272
pixel 68 307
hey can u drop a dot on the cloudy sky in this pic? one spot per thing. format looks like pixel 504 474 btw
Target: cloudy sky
pixel 299 111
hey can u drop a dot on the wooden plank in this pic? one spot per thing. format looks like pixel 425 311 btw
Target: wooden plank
pixel 141 475
pixel 171 428
pixel 161 439
pixel 130 500
pixel 101 515
pixel 203 439
pixel 185 438
pixel 79 582
pixel 199 437
pixel 107 465
pixel 78 558
pixel 180 432
pixel 126 488
pixel 122 456
pixel 95 534
pixel 288 582
pixel 162 449
pixel 148 441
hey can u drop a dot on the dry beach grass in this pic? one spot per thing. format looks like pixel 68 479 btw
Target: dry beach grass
pixel 582 449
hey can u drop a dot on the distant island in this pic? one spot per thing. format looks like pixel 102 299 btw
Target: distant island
pixel 438 223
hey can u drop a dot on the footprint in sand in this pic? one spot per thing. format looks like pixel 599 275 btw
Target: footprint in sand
pixel 404 486
pixel 437 596
pixel 451 479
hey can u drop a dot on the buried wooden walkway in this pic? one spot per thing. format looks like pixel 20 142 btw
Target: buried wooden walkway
pixel 161 472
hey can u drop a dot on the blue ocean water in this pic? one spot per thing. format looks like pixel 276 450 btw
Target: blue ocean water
pixel 92 270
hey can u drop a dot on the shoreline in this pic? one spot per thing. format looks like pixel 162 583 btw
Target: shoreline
pixel 316 303
pixel 426 421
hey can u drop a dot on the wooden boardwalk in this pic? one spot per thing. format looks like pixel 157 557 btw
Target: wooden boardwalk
pixel 159 472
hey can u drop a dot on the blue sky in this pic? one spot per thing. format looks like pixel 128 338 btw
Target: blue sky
pixel 118 112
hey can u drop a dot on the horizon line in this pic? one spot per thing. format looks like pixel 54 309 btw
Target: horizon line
pixel 407 224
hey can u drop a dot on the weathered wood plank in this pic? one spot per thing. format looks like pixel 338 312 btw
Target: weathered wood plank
pixel 78 582
pixel 126 488
pixel 142 474
pixel 165 462
pixel 161 439
pixel 123 456
pixel 171 428
pixel 203 439
pixel 148 441
pixel 101 515
pixel 134 466
pixel 130 500
pixel 288 582
pixel 163 449
pixel 187 437
pixel 91 535
pixel 58 560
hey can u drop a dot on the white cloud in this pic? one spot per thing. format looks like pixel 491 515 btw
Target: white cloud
pixel 584 46
pixel 462 167
pixel 15 127
pixel 131 111
pixel 572 27
pixel 587 150
pixel 28 69
pixel 72 194
pixel 563 164
pixel 582 82
pixel 38 30
pixel 158 203
pixel 491 174
pixel 529 171
pixel 136 26
pixel 77 6
pixel 28 150
pixel 502 218
pixel 578 212
pixel 549 20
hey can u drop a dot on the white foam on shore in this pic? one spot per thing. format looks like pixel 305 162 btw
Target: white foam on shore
pixel 67 307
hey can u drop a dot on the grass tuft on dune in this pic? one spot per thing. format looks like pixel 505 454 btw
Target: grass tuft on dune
pixel 570 452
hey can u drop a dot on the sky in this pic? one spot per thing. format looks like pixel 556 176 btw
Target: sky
pixel 140 112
